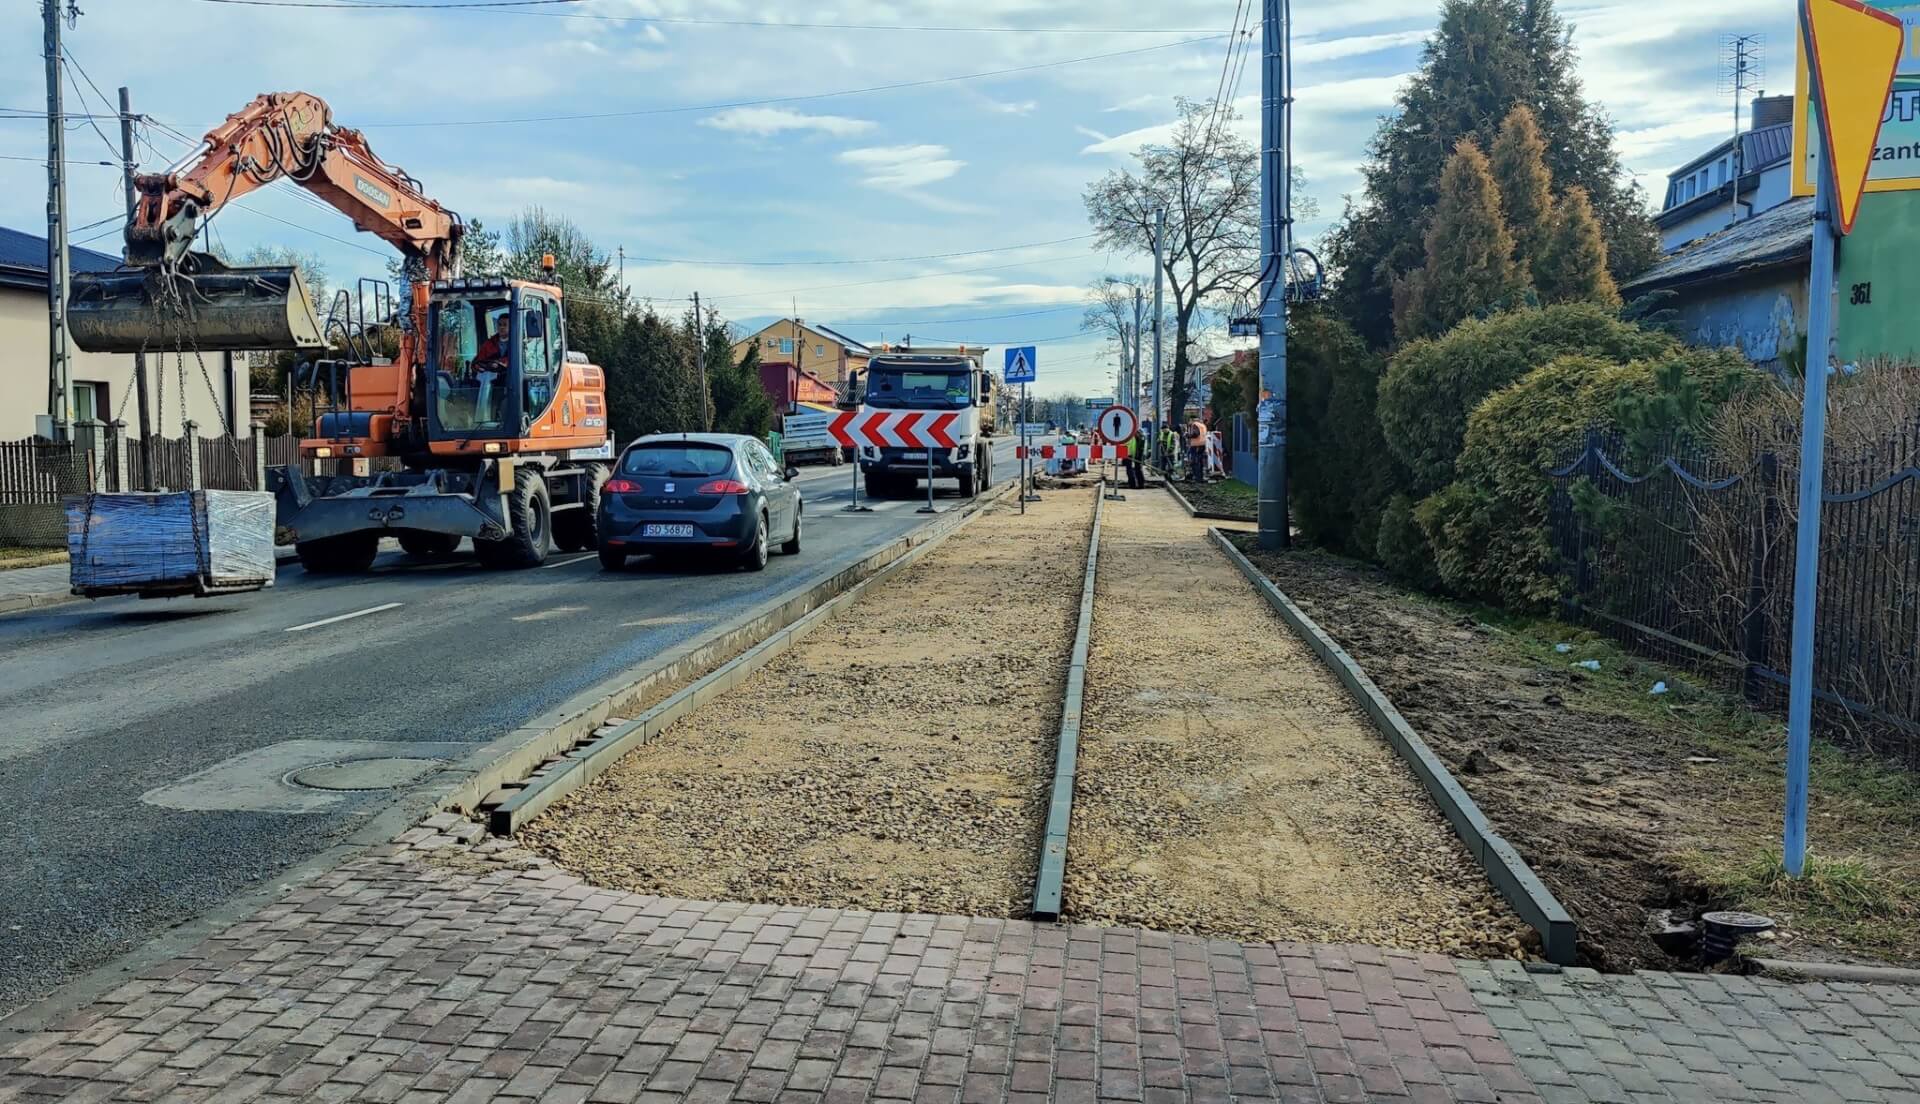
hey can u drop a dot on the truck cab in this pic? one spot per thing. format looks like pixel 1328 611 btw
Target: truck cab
pixel 937 384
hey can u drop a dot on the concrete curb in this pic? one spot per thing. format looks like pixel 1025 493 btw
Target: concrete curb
pixel 588 743
pixel 1841 971
pixel 1512 878
pixel 1047 881
pixel 1201 514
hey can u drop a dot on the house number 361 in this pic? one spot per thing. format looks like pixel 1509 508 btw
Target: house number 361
pixel 1862 294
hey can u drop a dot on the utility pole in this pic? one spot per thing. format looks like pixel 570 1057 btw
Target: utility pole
pixel 1159 278
pixel 622 252
pixel 700 358
pixel 1133 390
pixel 59 357
pixel 139 359
pixel 1276 245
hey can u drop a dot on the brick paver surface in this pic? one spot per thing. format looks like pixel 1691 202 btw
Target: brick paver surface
pixel 1584 1036
pixel 433 972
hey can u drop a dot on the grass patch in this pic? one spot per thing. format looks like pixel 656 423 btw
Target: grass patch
pixel 12 556
pixel 1227 496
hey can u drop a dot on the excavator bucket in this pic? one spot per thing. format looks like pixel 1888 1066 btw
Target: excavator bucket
pixel 213 309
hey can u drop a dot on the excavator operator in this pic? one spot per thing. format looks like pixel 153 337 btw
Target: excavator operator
pixel 494 349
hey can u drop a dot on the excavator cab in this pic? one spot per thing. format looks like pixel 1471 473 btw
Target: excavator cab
pixel 497 349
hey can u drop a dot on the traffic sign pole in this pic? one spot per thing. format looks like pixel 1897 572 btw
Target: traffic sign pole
pixel 1854 51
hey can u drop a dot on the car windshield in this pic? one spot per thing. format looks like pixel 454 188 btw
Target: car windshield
pixel 918 388
pixel 687 459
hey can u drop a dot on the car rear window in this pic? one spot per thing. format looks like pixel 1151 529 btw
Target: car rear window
pixel 682 458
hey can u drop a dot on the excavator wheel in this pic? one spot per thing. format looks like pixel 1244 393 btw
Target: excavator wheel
pixel 578 530
pixel 531 516
pixel 428 546
pixel 346 554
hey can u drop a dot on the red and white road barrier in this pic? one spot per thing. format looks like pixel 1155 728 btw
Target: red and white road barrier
pixel 916 429
pixel 1073 452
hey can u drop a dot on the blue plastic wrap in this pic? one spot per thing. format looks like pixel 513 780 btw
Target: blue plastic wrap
pixel 186 542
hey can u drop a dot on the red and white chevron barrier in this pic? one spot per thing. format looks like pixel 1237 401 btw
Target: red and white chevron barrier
pixel 1073 452
pixel 916 429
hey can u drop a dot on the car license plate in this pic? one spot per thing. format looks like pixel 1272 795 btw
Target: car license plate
pixel 913 456
pixel 654 530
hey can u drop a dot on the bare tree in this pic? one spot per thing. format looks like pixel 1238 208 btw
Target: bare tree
pixel 1111 302
pixel 1207 179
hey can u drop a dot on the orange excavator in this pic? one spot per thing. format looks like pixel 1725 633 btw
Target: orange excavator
pixel 484 425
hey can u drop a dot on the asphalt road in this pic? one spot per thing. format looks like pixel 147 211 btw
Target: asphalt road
pixel 145 746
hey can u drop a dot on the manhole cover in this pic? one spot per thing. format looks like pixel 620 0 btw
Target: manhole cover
pixel 361 774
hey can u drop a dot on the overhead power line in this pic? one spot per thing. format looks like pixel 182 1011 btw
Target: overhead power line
pixel 801 98
pixel 510 7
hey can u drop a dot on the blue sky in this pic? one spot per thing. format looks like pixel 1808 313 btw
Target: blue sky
pixel 990 167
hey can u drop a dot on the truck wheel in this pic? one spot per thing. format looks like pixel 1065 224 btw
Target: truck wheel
pixel 428 546
pixel 878 485
pixel 574 530
pixel 348 553
pixel 967 488
pixel 531 516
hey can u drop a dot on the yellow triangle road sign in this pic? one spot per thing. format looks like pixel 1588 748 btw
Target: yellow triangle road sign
pixel 1853 51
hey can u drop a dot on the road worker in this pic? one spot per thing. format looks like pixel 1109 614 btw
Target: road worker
pixel 1197 451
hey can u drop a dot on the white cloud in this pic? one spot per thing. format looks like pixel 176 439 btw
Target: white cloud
pixel 903 168
pixel 1335 48
pixel 773 120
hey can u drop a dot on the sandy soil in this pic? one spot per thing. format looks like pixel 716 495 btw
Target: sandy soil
pixel 1227 785
pixel 897 760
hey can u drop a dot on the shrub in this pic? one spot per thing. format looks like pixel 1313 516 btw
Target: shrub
pixel 1402 546
pixel 1432 386
pixel 1338 471
pixel 1489 528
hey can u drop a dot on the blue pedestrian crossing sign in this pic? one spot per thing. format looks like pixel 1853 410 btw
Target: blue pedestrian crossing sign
pixel 1022 364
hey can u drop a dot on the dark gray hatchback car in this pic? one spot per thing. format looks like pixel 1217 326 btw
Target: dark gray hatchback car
pixel 709 493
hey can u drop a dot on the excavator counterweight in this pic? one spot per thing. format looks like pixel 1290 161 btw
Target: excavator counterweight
pixel 205 306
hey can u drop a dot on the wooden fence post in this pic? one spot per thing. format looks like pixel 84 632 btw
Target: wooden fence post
pixel 117 442
pixel 196 479
pixel 258 431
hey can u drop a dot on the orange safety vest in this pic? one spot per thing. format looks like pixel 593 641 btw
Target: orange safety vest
pixel 1197 435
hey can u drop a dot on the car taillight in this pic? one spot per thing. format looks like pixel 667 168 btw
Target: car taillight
pixel 724 486
pixel 620 486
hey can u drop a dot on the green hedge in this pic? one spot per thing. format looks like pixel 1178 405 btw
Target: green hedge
pixel 1432 386
pixel 1488 528
pixel 1339 473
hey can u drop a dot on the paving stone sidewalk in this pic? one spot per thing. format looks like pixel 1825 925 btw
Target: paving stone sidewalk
pixel 433 970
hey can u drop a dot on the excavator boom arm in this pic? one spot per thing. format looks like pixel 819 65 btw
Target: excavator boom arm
pixel 290 136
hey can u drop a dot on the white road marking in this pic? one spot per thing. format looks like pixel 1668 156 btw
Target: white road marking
pixel 550 614
pixel 345 617
pixel 569 563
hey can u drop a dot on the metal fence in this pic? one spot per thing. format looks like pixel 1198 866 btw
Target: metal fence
pixel 38 471
pixel 1693 560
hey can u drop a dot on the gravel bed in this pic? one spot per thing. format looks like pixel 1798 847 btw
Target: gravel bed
pixel 897 760
pixel 1228 787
